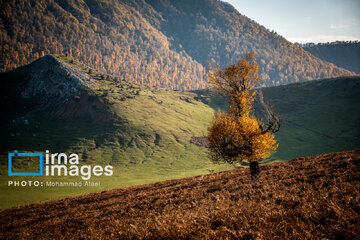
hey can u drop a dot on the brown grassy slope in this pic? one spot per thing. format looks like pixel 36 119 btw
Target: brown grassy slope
pixel 306 198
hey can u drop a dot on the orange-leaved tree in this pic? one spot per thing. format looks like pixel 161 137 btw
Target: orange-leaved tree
pixel 238 135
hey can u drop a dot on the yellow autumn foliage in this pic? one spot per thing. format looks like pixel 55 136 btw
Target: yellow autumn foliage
pixel 237 139
pixel 238 135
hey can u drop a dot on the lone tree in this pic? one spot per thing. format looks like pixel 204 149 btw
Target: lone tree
pixel 238 135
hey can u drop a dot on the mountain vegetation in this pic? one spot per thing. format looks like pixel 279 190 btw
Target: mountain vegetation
pixel 161 43
pixel 108 36
pixel 306 198
pixel 150 134
pixel 342 54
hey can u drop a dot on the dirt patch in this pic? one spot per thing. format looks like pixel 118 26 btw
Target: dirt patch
pixel 85 105
pixel 200 141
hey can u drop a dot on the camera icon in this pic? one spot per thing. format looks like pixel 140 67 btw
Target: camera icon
pixel 17 154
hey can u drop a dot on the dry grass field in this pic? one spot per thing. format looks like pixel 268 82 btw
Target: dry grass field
pixel 306 198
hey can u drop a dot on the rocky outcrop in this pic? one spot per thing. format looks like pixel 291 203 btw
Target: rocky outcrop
pixel 50 77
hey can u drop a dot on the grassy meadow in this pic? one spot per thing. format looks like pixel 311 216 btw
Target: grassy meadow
pixel 145 132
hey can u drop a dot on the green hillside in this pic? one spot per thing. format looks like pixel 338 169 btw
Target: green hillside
pixel 60 105
pixel 145 133
pixel 316 116
pixel 163 43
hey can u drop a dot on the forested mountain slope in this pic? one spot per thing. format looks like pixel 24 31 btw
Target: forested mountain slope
pixel 342 54
pixel 152 42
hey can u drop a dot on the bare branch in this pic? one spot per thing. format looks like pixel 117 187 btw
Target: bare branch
pixel 270 113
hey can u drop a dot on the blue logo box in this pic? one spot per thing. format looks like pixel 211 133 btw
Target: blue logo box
pixel 16 153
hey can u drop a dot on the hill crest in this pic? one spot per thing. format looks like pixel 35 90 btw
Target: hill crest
pixel 50 77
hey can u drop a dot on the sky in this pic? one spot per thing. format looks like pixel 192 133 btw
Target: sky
pixel 306 20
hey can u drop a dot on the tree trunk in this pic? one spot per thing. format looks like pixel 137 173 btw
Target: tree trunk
pixel 254 168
